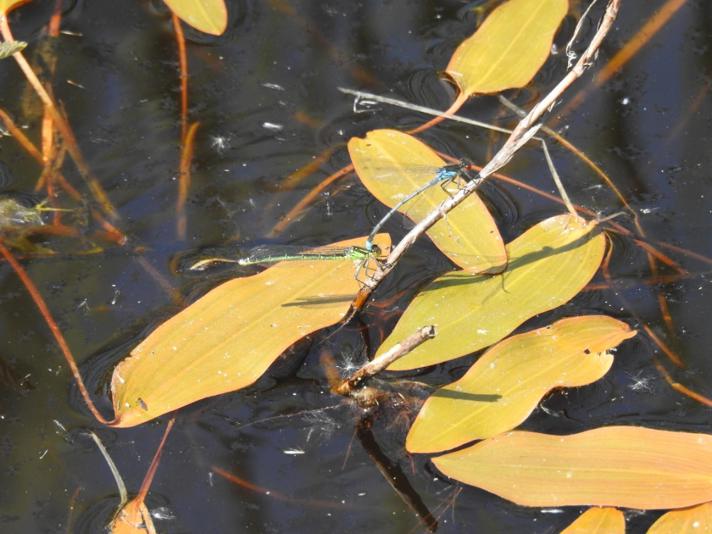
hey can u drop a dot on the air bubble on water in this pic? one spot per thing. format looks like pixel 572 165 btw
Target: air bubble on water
pixel 274 86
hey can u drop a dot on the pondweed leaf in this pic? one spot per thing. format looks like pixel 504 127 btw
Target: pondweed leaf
pixel 228 338
pixel 598 521
pixel 503 387
pixel 697 519
pixel 509 47
pixel 548 265
pixel 208 16
pixel 388 163
pixel 622 466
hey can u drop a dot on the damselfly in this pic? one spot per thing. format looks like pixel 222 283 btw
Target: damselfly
pixel 278 253
pixel 446 173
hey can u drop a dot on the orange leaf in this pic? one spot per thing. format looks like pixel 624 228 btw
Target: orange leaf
pixel 503 387
pixel 389 164
pixel 133 518
pixel 622 466
pixel 509 48
pixel 228 338
pixel 209 16
pixel 697 519
pixel 598 521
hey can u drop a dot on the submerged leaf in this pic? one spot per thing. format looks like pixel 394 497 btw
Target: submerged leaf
pixel 697 519
pixel 390 163
pixel 228 338
pixel 548 265
pixel 209 16
pixel 598 521
pixel 623 466
pixel 8 48
pixel 503 387
pixel 509 48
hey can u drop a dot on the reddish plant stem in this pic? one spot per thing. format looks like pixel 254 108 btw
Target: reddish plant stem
pixel 61 124
pixel 183 62
pixel 56 332
pixel 285 221
pixel 151 473
pixel 186 158
pixel 452 110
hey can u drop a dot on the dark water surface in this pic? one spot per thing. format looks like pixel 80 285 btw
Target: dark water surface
pixel 265 95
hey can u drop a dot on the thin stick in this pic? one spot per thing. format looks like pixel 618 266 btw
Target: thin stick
pixel 526 128
pixel 363 95
pixel 384 360
pixel 557 180
pixel 651 27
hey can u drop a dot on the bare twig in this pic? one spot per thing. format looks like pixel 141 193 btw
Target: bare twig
pixel 524 131
pixel 384 360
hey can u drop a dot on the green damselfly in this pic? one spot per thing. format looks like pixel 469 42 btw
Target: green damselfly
pixel 277 253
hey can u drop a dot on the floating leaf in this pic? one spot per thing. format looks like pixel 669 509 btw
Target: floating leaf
pixel 509 48
pixel 390 163
pixel 209 16
pixel 228 338
pixel 622 466
pixel 503 387
pixel 8 48
pixel 697 519
pixel 598 521
pixel 548 265
pixel 8 5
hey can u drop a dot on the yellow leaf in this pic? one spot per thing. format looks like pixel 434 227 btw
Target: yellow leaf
pixel 622 466
pixel 8 5
pixel 548 265
pixel 503 387
pixel 228 338
pixel 386 162
pixel 208 16
pixel 509 48
pixel 695 520
pixel 598 521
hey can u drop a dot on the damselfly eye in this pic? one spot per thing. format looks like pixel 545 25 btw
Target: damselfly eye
pixel 376 250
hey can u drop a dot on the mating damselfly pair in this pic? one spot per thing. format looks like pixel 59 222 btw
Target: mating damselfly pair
pixel 278 253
